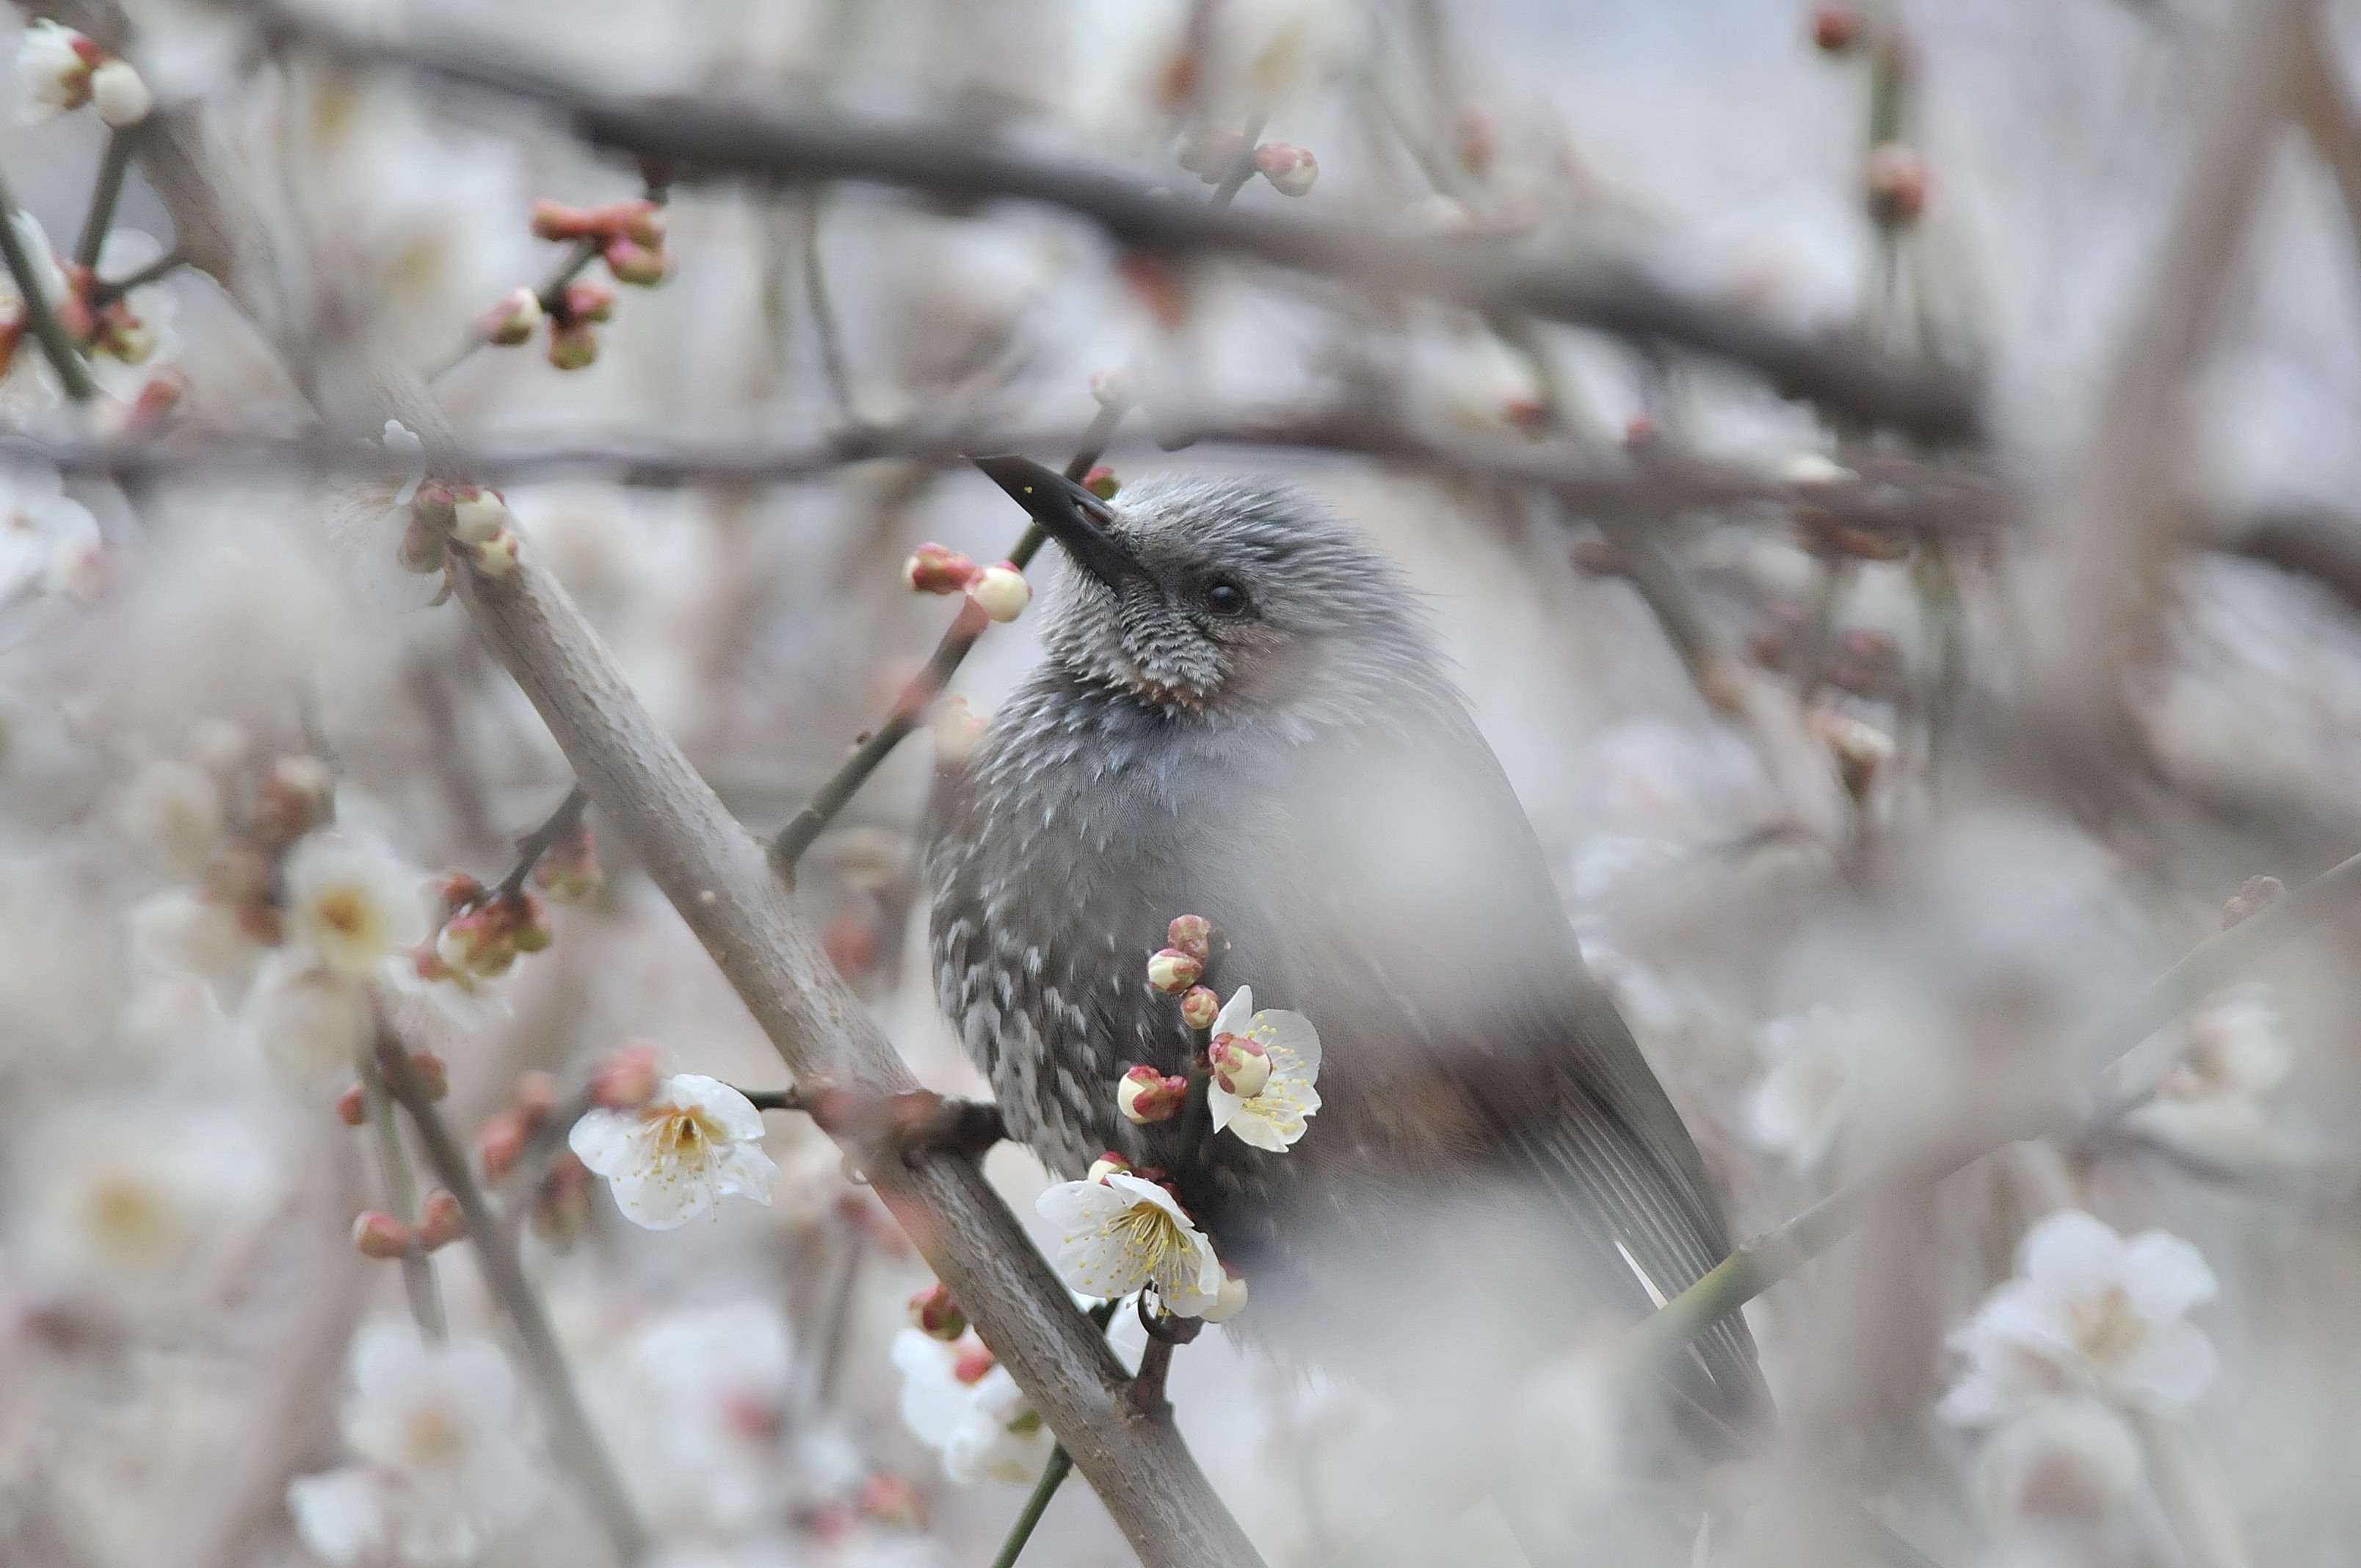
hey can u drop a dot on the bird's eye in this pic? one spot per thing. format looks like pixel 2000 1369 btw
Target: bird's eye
pixel 1225 597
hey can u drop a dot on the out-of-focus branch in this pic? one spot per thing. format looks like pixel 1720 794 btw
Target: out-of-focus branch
pixel 2143 1053
pixel 112 167
pixel 2326 114
pixel 1605 291
pixel 401 1200
pixel 2113 524
pixel 48 331
pixel 577 1442
pixel 833 368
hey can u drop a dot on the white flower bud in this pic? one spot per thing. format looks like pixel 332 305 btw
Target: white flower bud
pixel 476 515
pixel 1106 1164
pixel 1229 1301
pixel 121 98
pixel 1172 972
pixel 1290 168
pixel 1001 591
pixel 496 557
pixel 1240 1063
pixel 1145 1095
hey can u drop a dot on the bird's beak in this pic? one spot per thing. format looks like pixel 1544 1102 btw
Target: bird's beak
pixel 1067 513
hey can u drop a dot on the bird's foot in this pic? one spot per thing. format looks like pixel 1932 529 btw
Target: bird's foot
pixel 909 1124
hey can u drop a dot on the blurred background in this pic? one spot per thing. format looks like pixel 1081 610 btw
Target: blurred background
pixel 1796 756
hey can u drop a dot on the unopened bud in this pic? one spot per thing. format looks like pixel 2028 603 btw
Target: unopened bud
pixel 1210 152
pixel 430 505
pixel 1101 482
pixel 1193 934
pixel 892 1501
pixel 586 300
pixel 641 266
pixel 496 557
pixel 1200 1007
pixel 938 569
pixel 512 319
pixel 477 514
pixel 574 345
pixel 973 1363
pixel 1001 591
pixel 1290 168
pixel 380 1235
pixel 1896 179
pixel 533 933
pixel 1837 30
pixel 1814 471
pixel 1172 972
pixel 626 1079
pixel 1240 1063
pixel 561 1204
pixel 556 220
pixel 536 1095
pixel 477 941
pixel 957 729
pixel 352 1107
pixel 432 1078
pixel 568 871
pixel 294 795
pixel 638 219
pixel 500 1143
pixel 1145 1095
pixel 120 97
pixel 1106 1164
pixel 2255 895
pixel 1114 389
pixel 457 891
pixel 936 1315
pixel 441 1220
pixel 1859 748
pixel 1230 1300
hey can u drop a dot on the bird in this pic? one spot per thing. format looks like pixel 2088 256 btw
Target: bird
pixel 1242 713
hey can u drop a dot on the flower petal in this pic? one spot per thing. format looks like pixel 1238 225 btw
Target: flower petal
pixel 2077 1253
pixel 665 1198
pixel 2164 1276
pixel 607 1142
pixel 1236 1016
pixel 744 1169
pixel 724 1106
pixel 2169 1367
pixel 1292 1042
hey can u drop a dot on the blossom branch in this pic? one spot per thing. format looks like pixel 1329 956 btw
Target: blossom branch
pixel 105 292
pixel 1054 1475
pixel 560 824
pixel 575 1440
pixel 401 1202
pixel 1605 291
pixel 39 311
pixel 2143 1054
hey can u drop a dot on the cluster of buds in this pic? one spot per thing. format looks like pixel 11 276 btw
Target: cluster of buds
pixel 936 1315
pixel 449 518
pixel 382 1235
pixel 568 871
pixel 261 809
pixel 507 1132
pixel 62 70
pixel 483 931
pixel 629 238
pixel 426 1071
pixel 98 325
pixel 1000 591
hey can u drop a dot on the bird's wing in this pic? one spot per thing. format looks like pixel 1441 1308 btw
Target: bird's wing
pixel 1405 908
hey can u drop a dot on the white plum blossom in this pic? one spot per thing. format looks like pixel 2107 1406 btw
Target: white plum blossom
pixel 1274 1118
pixel 52 69
pixel 443 1472
pixel 44 534
pixel 2210 1104
pixel 180 931
pixel 1121 1233
pixel 2088 1313
pixel 1815 1074
pixel 173 813
pixel 2062 1458
pixel 351 904
pixel 675 1158
pixel 310 1024
pixel 694 1403
pixel 960 1402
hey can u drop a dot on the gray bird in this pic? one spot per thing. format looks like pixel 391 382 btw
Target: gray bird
pixel 1243 715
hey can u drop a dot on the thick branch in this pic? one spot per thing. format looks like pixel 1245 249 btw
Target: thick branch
pixel 1604 290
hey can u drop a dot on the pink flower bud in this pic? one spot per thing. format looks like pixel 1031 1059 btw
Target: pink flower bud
pixel 973 1363
pixel 586 300
pixel 1172 972
pixel 569 871
pixel 1114 389
pixel 1001 591
pixel 574 345
pixel 352 1107
pixel 938 569
pixel 556 220
pixel 1101 482
pixel 1193 934
pixel 457 891
pixel 433 1078
pixel 936 1315
pixel 477 514
pixel 477 941
pixel 1210 152
pixel 430 505
pixel 626 1079
pixel 1106 1164
pixel 638 220
pixel 532 932
pixel 641 266
pixel 1290 168
pixel 380 1235
pixel 1895 177
pixel 1145 1095
pixel 1230 1301
pixel 536 1096
pixel 1200 1007
pixel 892 1501
pixel 512 318
pixel 1837 29
pixel 496 557
pixel 501 1142
pixel 1241 1066
pixel 440 1219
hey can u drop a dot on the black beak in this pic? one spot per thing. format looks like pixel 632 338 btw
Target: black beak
pixel 1067 513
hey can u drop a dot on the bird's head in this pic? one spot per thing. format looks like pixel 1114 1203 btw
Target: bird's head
pixel 1219 596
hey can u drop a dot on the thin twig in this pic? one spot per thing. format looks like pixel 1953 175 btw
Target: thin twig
pixel 1606 290
pixel 112 167
pixel 831 344
pixel 1054 1475
pixel 560 824
pixel 839 1331
pixel 401 1202
pixel 552 295
pixel 106 293
pixel 575 1441
pixel 2143 1053
pixel 39 311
